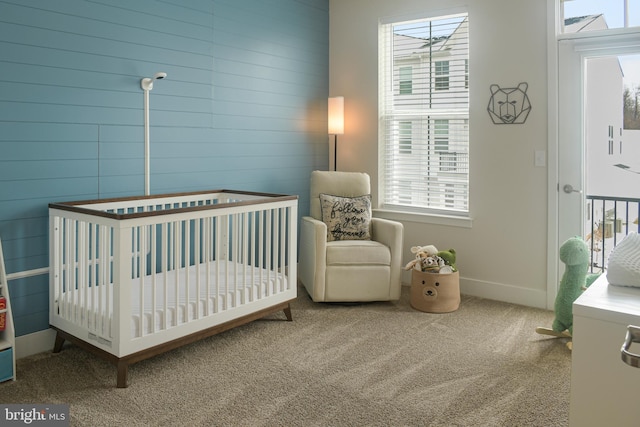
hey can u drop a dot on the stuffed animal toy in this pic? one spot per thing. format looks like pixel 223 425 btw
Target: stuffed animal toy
pixel 432 264
pixel 429 259
pixel 421 260
pixel 415 263
pixel 574 253
pixel 428 250
pixel 449 258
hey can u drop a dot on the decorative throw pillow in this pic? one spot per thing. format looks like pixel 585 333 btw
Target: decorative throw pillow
pixel 347 218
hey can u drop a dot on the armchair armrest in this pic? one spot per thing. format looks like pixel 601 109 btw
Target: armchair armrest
pixel 313 256
pixel 391 234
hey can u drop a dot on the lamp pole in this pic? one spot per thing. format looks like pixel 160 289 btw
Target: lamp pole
pixel 335 152
pixel 336 124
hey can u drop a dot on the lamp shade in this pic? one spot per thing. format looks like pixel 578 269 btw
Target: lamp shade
pixel 336 115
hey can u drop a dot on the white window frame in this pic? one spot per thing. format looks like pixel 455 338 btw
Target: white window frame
pixel 442 214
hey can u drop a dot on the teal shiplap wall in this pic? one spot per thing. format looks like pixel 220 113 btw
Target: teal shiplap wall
pixel 243 107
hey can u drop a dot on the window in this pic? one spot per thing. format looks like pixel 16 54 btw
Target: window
pixel 466 74
pixel 597 15
pixel 441 134
pixel 406 84
pixel 424 138
pixel 620 140
pixel 610 139
pixel 442 75
pixel 446 159
pixel 404 137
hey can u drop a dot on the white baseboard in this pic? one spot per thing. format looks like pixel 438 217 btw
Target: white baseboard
pixel 506 293
pixel 37 342
pixel 501 292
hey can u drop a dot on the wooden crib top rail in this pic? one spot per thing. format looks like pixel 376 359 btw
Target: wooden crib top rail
pixel 163 204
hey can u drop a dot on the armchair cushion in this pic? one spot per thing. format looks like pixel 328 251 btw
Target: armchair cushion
pixel 358 252
pixel 347 218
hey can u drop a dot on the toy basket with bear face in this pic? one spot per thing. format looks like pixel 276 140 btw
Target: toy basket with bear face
pixel 435 292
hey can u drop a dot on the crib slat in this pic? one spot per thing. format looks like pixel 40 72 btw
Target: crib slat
pixel 94 277
pixel 277 254
pixel 260 264
pixel 280 267
pixel 253 254
pixel 63 267
pixel 68 292
pixel 224 256
pixel 103 277
pixel 219 298
pixel 243 259
pixel 176 266
pixel 235 238
pixel 163 266
pixel 73 277
pixel 77 287
pixel 109 283
pixel 142 271
pixel 198 263
pixel 278 248
pixel 186 253
pixel 269 251
pixel 154 276
pixel 210 307
pixel 84 275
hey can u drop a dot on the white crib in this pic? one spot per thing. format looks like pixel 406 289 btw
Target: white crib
pixel 131 278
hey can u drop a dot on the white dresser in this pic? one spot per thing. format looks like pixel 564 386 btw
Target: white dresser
pixel 605 391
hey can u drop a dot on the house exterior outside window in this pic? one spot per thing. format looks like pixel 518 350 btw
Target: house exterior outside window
pixel 424 135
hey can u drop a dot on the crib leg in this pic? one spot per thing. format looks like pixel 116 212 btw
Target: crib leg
pixel 57 346
pixel 287 312
pixel 123 371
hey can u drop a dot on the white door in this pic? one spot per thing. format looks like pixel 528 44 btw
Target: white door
pixel 571 157
pixel 589 107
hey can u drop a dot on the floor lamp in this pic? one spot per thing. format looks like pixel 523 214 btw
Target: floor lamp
pixel 336 124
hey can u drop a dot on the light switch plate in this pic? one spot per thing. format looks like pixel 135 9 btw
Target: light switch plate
pixel 540 158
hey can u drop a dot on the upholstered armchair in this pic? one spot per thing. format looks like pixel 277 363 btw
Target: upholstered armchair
pixel 339 261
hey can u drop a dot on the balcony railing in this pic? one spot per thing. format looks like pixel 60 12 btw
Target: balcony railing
pixel 609 220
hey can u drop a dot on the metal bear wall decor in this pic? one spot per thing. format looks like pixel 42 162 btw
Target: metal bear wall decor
pixel 509 105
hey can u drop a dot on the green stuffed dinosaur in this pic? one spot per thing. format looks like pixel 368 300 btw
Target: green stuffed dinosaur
pixel 574 253
pixel 449 258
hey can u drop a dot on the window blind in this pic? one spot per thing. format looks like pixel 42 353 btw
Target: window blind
pixel 424 111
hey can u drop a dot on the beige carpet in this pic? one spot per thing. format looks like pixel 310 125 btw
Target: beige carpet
pixel 376 364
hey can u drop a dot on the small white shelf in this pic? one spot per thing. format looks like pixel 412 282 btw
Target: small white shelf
pixel 7 335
